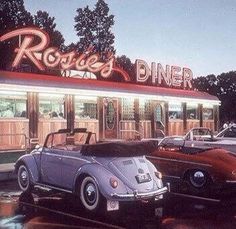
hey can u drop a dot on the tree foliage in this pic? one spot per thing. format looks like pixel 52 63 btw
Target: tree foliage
pixel 126 64
pixel 224 87
pixel 208 84
pixel 45 22
pixel 93 27
pixel 12 15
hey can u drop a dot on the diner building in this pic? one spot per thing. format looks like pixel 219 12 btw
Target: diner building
pixel 158 101
pixel 33 105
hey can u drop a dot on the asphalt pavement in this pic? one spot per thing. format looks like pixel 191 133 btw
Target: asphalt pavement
pixel 56 210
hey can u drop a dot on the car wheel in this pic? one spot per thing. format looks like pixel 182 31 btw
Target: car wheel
pixel 89 194
pixel 198 179
pixel 23 177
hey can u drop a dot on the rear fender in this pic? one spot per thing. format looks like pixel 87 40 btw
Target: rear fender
pixel 30 163
pixel 102 177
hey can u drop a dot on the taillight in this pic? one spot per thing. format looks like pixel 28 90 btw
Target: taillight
pixel 158 175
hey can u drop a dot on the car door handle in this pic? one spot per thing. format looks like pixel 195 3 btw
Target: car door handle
pixel 59 158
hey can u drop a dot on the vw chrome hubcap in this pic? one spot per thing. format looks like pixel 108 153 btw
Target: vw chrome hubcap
pixel 90 193
pixel 24 178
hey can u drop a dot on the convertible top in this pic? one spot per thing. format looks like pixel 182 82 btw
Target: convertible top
pixel 119 149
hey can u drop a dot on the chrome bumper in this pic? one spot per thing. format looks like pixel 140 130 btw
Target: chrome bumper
pixel 136 196
pixel 231 181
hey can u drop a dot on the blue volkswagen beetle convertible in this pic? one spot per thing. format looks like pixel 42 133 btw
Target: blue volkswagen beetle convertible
pixel 101 175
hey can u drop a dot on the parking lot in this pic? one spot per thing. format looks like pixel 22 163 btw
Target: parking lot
pixel 50 210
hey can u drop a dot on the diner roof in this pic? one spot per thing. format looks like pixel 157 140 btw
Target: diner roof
pixel 39 82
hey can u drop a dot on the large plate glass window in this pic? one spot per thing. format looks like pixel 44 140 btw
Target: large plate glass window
pixel 145 109
pixel 127 108
pixel 175 111
pixel 51 106
pixel 207 112
pixel 86 107
pixel 13 104
pixel 192 111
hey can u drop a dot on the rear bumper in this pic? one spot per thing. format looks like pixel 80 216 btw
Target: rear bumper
pixel 141 196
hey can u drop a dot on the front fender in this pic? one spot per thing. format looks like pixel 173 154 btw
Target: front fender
pixel 30 163
pixel 102 177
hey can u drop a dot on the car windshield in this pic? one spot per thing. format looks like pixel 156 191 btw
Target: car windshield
pixel 199 134
pixel 69 141
pixel 172 141
pixel 202 132
pixel 174 144
pixel 228 133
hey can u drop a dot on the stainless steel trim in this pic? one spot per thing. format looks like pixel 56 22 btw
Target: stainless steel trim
pixel 63 156
pixel 195 197
pixel 231 181
pixel 136 195
pixel 175 160
pixel 45 187
pixel 176 177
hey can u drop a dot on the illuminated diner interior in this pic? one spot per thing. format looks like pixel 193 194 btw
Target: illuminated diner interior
pixel 33 105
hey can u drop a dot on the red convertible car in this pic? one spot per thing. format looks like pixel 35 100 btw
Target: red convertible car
pixel 206 173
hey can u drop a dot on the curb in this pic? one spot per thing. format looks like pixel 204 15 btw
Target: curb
pixel 7 172
pixel 5 176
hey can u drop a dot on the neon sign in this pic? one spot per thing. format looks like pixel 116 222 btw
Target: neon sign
pixel 171 76
pixel 44 57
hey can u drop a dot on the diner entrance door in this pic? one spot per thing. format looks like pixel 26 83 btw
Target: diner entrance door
pixel 110 118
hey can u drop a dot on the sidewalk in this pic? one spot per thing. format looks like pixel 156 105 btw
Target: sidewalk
pixel 7 172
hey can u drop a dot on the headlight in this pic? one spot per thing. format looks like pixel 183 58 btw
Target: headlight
pixel 113 182
pixel 158 174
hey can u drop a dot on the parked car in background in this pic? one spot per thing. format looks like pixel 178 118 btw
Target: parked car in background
pixel 203 137
pixel 102 175
pixel 202 172
pixel 228 133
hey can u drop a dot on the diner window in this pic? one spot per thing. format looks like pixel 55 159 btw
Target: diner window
pixel 192 111
pixel 127 109
pixel 13 106
pixel 86 107
pixel 207 113
pixel 175 111
pixel 51 106
pixel 145 109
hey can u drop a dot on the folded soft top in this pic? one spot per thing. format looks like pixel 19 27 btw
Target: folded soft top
pixel 119 149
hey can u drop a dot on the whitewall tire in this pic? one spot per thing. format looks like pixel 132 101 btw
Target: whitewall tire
pixel 23 177
pixel 89 194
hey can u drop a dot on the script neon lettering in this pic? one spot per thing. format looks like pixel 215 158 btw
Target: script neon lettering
pixel 51 57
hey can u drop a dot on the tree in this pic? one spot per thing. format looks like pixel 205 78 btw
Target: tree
pixel 93 27
pixel 126 64
pixel 224 87
pixel 227 95
pixel 208 84
pixel 12 15
pixel 84 27
pixel 104 38
pixel 45 22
